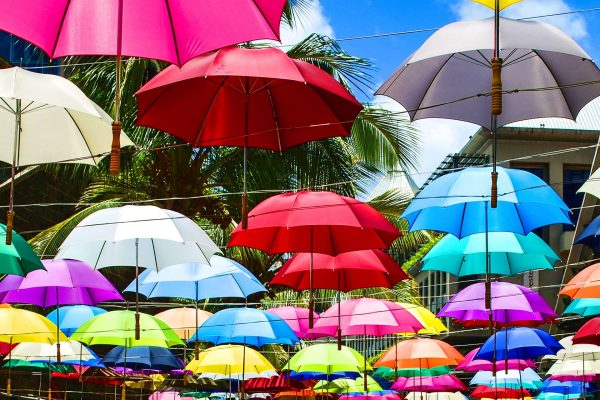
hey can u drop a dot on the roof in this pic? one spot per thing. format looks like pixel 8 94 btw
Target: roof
pixel 455 161
pixel 587 120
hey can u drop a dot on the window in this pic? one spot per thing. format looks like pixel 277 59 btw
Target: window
pixel 573 177
pixel 541 171
pixel 21 53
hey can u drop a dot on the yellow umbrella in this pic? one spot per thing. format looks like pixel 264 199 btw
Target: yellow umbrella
pixel 230 360
pixel 432 324
pixel 492 3
pixel 183 320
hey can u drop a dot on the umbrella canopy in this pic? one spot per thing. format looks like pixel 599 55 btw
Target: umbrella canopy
pixel 17 258
pixel 510 254
pixel 143 357
pixel 502 3
pixel 297 319
pixel 589 333
pixel 518 343
pixel 72 317
pixel 248 98
pixel 346 385
pixel 574 369
pixel 442 383
pixel 470 364
pixel 219 278
pixel 573 351
pixel 420 353
pixel 447 75
pixel 230 360
pixel 569 387
pixel 459 203
pixel 118 328
pixel 366 316
pixel 71 352
pixel 326 359
pixel 247 326
pixel 314 222
pixel 512 305
pixel 432 324
pixel 591 186
pixel 388 373
pixel 515 379
pixel 586 284
pixel 26 326
pixel 145 236
pixel 171 32
pixel 385 395
pixel 168 395
pixel 584 307
pixel 63 282
pixel 488 392
pixel 183 320
pixel 589 236
pixel 435 396
pixel 344 272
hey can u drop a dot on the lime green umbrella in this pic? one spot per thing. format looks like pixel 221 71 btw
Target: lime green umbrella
pixel 325 358
pixel 17 258
pixel 389 373
pixel 118 328
pixel 344 385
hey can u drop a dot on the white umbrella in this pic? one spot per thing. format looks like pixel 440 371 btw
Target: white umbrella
pixel 45 352
pixel 48 119
pixel 137 236
pixel 436 396
pixel 574 367
pixel 592 185
pixel 571 351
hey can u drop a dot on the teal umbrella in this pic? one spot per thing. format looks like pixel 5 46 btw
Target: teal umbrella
pixel 584 307
pixel 17 258
pixel 510 254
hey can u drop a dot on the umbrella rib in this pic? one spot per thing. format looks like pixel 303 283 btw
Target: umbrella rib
pixel 81 133
pixel 60 26
pixel 212 102
pixel 173 35
pixel 8 107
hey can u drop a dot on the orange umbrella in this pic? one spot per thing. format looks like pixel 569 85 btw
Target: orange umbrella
pixel 183 320
pixel 420 353
pixel 586 284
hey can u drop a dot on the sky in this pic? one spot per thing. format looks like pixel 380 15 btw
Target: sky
pixel 351 18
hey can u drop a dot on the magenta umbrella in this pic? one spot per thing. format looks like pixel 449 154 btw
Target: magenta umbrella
pixel 472 365
pixel 370 396
pixel 297 318
pixel 442 383
pixel 173 31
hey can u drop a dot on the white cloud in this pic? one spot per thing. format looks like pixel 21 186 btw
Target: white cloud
pixel 312 20
pixel 572 24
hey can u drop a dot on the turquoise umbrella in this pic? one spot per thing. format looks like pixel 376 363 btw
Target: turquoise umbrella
pixel 584 307
pixel 510 254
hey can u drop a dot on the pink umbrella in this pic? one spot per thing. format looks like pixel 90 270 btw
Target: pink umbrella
pixel 168 395
pixel 472 365
pixel 297 318
pixel 442 383
pixel 173 31
pixel 384 396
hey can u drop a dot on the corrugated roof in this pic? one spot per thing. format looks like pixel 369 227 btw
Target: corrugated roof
pixel 587 120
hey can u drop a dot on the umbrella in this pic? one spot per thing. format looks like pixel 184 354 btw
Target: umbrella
pixel 183 320
pixel 518 343
pixel 442 383
pixel 502 4
pixel 72 352
pixel 72 317
pixel 435 396
pixel 420 353
pixel 483 392
pixel 470 364
pixel 510 254
pixel 48 119
pixel 230 360
pixel 297 319
pixel 515 379
pixel 344 272
pixel 346 385
pixel 17 258
pixel 574 369
pixel 573 351
pixel 168 395
pixel 432 325
pixel 171 32
pixel 589 333
pixel 136 236
pixel 257 98
pixel 326 360
pixel 512 305
pixel 387 372
pixel 584 307
pixel 591 185
pixel 589 236
pixel 586 284
pixel 385 395
pixel 569 387
pixel 143 357
pixel 118 328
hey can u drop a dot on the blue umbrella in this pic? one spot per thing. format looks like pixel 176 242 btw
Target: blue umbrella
pixel 591 235
pixel 518 343
pixel 319 376
pixel 248 326
pixel 72 317
pixel 513 379
pixel 584 307
pixel 459 203
pixel 143 357
pixel 567 387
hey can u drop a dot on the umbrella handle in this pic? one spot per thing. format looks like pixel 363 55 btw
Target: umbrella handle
pixel 196 349
pixel 496 86
pixel 8 386
pixel 10 215
pixel 311 309
pixel 494 191
pixel 115 149
pixel 339 338
pixel 123 391
pixel 245 211
pixel 137 326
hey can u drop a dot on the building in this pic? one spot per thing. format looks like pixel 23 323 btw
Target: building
pixel 15 51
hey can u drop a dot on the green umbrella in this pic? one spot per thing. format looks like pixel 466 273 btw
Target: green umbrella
pixel 341 386
pixel 22 365
pixel 389 373
pixel 325 358
pixel 17 258
pixel 118 328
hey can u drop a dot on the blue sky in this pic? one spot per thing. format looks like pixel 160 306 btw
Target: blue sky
pixel 351 18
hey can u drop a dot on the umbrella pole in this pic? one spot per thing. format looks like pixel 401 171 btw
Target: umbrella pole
pixel 10 214
pixel 496 99
pixel 123 386
pixel 339 329
pixel 243 370
pixel 58 360
pixel 81 370
pixel 246 124
pixel 9 381
pixel 365 362
pixel 137 291
pixel 311 300
pixel 115 148
pixel 196 344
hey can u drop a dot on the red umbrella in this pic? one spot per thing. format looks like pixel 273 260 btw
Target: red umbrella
pixel 486 392
pixel 344 272
pixel 257 98
pixel 589 333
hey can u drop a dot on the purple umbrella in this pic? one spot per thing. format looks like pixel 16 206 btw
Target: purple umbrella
pixel 442 383
pixel 472 365
pixel 512 305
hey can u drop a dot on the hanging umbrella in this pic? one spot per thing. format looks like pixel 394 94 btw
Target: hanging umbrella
pixel 470 364
pixel 346 385
pixel 435 396
pixel 137 236
pixel 72 317
pixel 589 236
pixel 515 379
pixel 574 369
pixel 569 387
pixel 171 32
pixel 502 3
pixel 589 333
pixel 586 284
pixel 420 353
pixel 118 328
pixel 442 383
pixel 381 395
pixel 230 360
pixel 487 392
pixel 573 351
pixel 72 352
pixel 432 324
pixel 518 343
pixel 168 395
pixel 512 305
pixel 584 307
pixel 325 359
pixel 510 254
pixel 258 98
pixel 48 119
pixel 183 320
pixel 297 319
pixel 386 372
pixel 143 357
pixel 17 258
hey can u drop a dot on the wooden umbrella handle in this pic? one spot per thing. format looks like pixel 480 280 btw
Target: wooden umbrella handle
pixel 10 216
pixel 496 86
pixel 115 149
